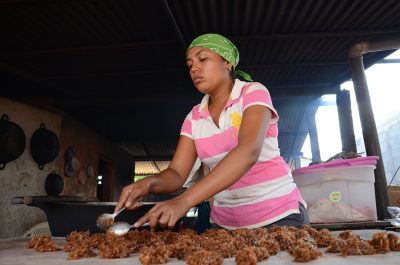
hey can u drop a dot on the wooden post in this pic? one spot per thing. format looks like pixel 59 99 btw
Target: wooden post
pixel 312 130
pixel 343 103
pixel 370 133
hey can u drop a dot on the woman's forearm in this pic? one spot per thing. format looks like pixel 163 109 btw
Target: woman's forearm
pixel 224 175
pixel 166 181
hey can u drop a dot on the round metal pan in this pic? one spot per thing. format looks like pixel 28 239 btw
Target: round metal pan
pixel 44 146
pixel 12 141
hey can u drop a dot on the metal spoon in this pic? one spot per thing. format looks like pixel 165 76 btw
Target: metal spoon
pixel 105 220
pixel 121 228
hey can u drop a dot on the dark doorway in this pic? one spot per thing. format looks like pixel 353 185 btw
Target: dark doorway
pixel 104 183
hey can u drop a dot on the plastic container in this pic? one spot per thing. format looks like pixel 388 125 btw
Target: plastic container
pixel 339 193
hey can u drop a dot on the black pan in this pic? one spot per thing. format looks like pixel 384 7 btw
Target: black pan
pixel 12 141
pixel 54 184
pixel 44 146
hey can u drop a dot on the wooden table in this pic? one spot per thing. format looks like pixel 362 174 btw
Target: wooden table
pixel 13 251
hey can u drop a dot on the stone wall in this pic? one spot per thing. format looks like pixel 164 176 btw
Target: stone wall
pixel 22 177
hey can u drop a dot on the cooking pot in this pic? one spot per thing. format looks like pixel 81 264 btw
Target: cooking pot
pixel 12 141
pixel 54 184
pixel 44 146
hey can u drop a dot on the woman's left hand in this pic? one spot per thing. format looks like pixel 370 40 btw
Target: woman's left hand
pixel 166 213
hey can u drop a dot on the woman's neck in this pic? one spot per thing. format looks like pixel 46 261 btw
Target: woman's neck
pixel 221 95
pixel 218 100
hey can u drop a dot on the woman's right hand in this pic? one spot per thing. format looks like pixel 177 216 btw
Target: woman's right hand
pixel 132 193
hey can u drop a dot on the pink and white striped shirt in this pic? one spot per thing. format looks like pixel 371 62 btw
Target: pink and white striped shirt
pixel 266 193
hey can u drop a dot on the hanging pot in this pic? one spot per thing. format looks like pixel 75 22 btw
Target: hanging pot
pixel 44 146
pixel 12 141
pixel 54 184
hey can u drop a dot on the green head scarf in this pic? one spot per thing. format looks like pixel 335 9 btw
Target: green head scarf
pixel 222 46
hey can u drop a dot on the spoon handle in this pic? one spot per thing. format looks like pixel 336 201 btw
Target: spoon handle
pixel 145 224
pixel 119 211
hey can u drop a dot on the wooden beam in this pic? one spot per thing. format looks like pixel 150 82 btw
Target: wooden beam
pixel 128 100
pixel 370 134
pixel 312 130
pixel 346 121
pixel 296 64
pixel 120 47
pixel 163 43
pixel 279 96
pixel 308 35
pixel 184 70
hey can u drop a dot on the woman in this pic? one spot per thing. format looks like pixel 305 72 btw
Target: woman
pixel 234 132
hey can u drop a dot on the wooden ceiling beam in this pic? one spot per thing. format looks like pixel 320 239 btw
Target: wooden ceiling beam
pixel 162 43
pixel 123 100
pixel 95 49
pixel 280 94
pixel 308 35
pixel 184 70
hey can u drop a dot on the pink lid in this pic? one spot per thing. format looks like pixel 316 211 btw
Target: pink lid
pixel 367 160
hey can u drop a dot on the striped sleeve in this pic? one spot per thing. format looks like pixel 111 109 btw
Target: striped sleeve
pixel 258 94
pixel 187 126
